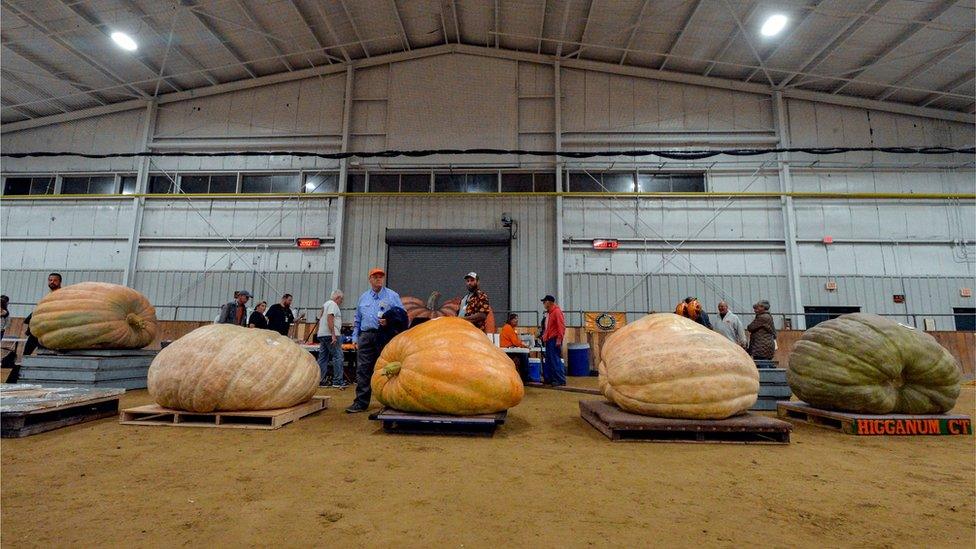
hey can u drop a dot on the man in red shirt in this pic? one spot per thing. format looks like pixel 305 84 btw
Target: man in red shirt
pixel 552 338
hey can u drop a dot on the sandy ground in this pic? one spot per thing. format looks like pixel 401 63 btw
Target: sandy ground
pixel 546 479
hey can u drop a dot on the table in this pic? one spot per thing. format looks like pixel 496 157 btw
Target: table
pixel 520 356
pixel 348 360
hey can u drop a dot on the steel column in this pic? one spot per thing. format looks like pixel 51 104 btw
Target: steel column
pixel 789 214
pixel 139 202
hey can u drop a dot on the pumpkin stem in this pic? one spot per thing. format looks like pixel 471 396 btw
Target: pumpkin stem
pixel 432 300
pixel 391 369
pixel 135 321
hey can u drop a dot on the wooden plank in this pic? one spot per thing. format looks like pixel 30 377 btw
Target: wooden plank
pixel 153 414
pixel 399 422
pixel 16 425
pixel 876 424
pixel 619 425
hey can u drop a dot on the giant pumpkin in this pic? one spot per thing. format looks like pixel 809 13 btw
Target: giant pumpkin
pixel 669 366
pixel 868 364
pixel 446 366
pixel 222 367
pixel 418 308
pixel 94 315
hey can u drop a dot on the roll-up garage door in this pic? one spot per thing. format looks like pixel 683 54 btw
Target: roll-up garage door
pixel 422 261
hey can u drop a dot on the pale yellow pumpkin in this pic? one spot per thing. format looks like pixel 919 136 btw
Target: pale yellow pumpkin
pixel 446 366
pixel 222 367
pixel 668 366
pixel 94 315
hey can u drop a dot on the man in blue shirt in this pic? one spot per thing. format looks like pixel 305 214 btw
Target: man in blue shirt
pixel 366 334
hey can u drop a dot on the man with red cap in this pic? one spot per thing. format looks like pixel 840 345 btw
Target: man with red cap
pixel 374 302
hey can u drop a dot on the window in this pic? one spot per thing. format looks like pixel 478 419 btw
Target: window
pixel 965 318
pixel 545 182
pixel 415 183
pixel 270 183
pixel 161 184
pixel 129 184
pixel 482 183
pixel 449 183
pixel 95 184
pixel 384 183
pixel 356 183
pixel 321 183
pixel 816 315
pixel 670 182
pixel 285 183
pixel 516 182
pixel 28 185
pixel 465 183
pixel 203 184
pixel 585 183
pixel 618 182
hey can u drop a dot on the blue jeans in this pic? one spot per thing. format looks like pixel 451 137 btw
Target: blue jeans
pixel 330 355
pixel 552 369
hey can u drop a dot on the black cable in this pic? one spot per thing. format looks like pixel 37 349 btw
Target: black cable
pixel 691 154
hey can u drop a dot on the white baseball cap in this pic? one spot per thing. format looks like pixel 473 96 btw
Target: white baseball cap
pixel 472 274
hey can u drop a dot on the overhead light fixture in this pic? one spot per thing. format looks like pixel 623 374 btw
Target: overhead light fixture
pixel 124 41
pixel 774 25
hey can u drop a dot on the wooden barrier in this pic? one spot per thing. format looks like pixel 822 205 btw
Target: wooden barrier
pixel 961 345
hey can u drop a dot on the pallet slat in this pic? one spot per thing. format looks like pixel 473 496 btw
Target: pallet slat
pixel 874 425
pixel 153 414
pixel 32 409
pixel 396 421
pixel 618 425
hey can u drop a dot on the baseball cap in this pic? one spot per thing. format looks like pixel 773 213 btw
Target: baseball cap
pixel 245 293
pixel 549 298
pixel 472 274
pixel 377 270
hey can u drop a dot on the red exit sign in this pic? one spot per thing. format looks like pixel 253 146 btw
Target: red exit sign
pixel 605 244
pixel 308 242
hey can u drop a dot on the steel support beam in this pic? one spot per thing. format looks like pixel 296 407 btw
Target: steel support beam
pixel 729 41
pixel 54 72
pixel 586 26
pixel 929 64
pixel 782 125
pixel 633 31
pixel 101 27
pixel 355 29
pixel 139 202
pixel 562 32
pixel 745 37
pixel 542 25
pixel 403 30
pixel 948 88
pixel 335 37
pixel 902 38
pixel 557 111
pixel 311 31
pixel 457 25
pixel 216 34
pixel 340 228
pixel 132 6
pixel 27 86
pixel 43 29
pixel 784 40
pixel 838 38
pixel 677 39
pixel 249 14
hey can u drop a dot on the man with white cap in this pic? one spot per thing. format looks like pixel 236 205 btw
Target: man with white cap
pixel 474 305
pixel 374 302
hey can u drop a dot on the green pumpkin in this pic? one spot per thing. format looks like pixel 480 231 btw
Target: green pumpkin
pixel 867 364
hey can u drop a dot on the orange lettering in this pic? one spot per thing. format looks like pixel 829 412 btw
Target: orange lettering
pixel 923 427
pixel 900 428
pixel 911 427
pixel 863 427
pixel 877 428
pixel 889 427
pixel 933 426
pixel 966 427
pixel 953 426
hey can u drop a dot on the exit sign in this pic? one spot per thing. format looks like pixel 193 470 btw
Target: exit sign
pixel 605 244
pixel 308 242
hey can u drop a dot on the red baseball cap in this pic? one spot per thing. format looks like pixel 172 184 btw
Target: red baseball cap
pixel 377 271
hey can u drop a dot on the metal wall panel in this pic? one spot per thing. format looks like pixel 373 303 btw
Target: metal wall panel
pixel 533 263
pixel 199 295
pixel 26 287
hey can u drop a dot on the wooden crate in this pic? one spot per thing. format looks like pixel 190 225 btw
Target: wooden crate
pixel 619 425
pixel 874 424
pixel 30 409
pixel 395 421
pixel 153 414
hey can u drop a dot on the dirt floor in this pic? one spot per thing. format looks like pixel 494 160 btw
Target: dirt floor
pixel 546 479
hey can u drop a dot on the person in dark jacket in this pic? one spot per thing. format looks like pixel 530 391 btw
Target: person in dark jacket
pixel 235 312
pixel 396 321
pixel 280 317
pixel 53 284
pixel 257 319
pixel 762 333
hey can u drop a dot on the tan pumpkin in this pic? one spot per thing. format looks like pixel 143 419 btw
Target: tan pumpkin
pixel 446 366
pixel 94 315
pixel 227 367
pixel 669 366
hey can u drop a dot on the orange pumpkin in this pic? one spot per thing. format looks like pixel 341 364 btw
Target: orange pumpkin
pixel 446 366
pixel 94 315
pixel 418 308
pixel 670 366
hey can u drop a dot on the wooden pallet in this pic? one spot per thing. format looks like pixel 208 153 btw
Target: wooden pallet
pixel 565 388
pixel 873 425
pixel 619 425
pixel 395 421
pixel 30 409
pixel 153 414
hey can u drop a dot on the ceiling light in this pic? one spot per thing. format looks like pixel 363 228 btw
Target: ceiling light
pixel 124 41
pixel 774 25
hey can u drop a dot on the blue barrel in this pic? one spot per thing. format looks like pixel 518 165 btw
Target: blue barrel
pixel 535 370
pixel 579 359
